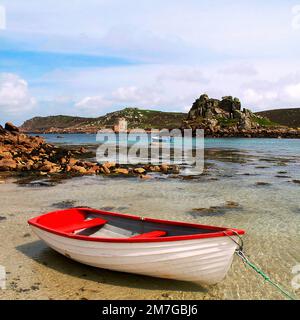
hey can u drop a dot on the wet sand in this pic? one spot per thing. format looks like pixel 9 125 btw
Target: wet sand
pixel 270 213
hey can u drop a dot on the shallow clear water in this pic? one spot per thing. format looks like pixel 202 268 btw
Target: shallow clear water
pixel 259 175
pixel 273 146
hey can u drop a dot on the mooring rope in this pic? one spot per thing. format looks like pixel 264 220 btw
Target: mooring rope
pixel 240 252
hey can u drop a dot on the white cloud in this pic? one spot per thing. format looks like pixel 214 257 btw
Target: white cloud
pixel 133 95
pixel 119 98
pixel 93 106
pixel 14 94
pixel 293 91
pixel 252 96
pixel 255 97
pixel 127 94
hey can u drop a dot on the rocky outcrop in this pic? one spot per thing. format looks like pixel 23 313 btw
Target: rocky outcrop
pixel 215 114
pixel 22 153
pixel 227 118
pixel 209 108
pixel 11 128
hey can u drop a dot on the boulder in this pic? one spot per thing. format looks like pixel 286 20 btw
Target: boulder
pixel 72 161
pixel 29 164
pixel 154 168
pixel 79 169
pixel 47 166
pixel 105 169
pixel 236 104
pixel 164 167
pixel 237 114
pixel 10 127
pixel 7 165
pixel 2 130
pixel 3 149
pixel 139 170
pixel 109 164
pixel 35 158
pixel 21 166
pixel 93 170
pixel 145 177
pixel 245 124
pixel 121 171
pixel 87 164
pixel 6 155
pixel 175 169
pixel 63 160
pixel 212 124
pixel 37 165
pixel 55 169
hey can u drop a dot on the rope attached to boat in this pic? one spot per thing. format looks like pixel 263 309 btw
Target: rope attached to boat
pixel 240 252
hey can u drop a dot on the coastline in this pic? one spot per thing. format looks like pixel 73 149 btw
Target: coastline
pixel 287 133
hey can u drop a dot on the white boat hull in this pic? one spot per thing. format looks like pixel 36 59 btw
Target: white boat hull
pixel 205 261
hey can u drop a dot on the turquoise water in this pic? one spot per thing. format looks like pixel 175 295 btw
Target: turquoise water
pixel 274 146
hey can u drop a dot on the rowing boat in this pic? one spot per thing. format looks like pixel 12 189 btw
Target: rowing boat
pixel 128 243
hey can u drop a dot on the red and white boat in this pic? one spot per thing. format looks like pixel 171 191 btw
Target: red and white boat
pixel 127 243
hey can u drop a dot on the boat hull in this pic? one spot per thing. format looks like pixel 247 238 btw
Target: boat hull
pixel 205 261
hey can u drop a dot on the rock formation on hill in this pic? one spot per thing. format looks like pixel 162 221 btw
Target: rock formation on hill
pixel 226 117
pixel 214 113
pixel 206 107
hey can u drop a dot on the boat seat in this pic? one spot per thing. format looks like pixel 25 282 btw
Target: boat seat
pixel 83 225
pixel 152 234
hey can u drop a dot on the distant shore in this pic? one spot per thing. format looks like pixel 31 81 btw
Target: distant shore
pixel 284 133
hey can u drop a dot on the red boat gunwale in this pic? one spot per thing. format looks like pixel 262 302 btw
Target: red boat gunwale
pixel 220 231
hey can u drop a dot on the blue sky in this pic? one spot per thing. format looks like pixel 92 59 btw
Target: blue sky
pixel 91 57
